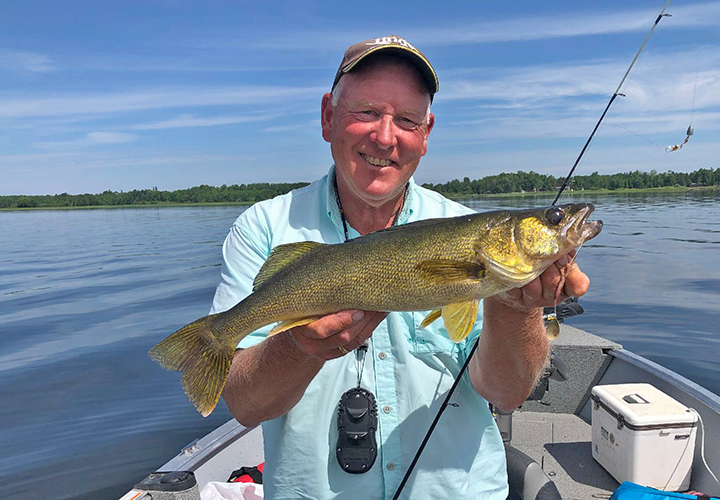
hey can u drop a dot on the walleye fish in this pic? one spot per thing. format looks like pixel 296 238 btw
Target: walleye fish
pixel 445 265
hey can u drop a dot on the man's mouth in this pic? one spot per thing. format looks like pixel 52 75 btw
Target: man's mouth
pixel 378 162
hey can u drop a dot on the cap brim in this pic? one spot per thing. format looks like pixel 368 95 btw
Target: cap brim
pixel 419 60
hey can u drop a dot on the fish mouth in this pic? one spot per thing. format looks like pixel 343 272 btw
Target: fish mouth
pixel 583 230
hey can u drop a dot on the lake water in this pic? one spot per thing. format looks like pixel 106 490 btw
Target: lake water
pixel 85 413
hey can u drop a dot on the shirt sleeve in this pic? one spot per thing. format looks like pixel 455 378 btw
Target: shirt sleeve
pixel 244 251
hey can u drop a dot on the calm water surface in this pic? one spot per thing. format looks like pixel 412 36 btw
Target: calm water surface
pixel 84 294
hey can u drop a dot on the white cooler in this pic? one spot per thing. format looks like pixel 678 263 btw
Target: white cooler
pixel 641 434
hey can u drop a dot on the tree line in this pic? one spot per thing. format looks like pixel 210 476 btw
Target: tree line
pixel 517 182
pixel 243 193
pixel 527 182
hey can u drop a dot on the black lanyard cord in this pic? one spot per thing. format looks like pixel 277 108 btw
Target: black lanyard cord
pixel 395 217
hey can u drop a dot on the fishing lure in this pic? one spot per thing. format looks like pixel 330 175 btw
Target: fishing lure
pixel 676 147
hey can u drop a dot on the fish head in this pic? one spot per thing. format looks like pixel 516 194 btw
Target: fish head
pixel 548 233
pixel 522 244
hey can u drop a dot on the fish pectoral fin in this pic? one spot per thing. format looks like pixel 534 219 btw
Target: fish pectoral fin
pixel 291 323
pixel 430 318
pixel 281 256
pixel 449 271
pixel 459 319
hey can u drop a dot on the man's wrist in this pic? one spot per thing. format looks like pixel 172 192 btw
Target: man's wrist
pixel 295 351
pixel 507 304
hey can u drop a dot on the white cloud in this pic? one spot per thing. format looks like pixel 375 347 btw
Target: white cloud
pixel 312 125
pixel 189 120
pixel 553 25
pixel 91 139
pixel 559 26
pixel 651 85
pixel 119 102
pixel 565 100
pixel 110 137
pixel 25 61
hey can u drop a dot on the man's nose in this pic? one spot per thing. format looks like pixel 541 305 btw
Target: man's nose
pixel 384 136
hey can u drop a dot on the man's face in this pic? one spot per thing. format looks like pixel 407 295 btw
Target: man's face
pixel 378 131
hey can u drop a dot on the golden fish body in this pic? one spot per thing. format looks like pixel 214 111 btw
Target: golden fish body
pixel 447 265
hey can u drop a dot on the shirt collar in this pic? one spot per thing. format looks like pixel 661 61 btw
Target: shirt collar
pixel 333 211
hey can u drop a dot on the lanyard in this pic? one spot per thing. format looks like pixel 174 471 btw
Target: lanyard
pixel 396 215
pixel 361 351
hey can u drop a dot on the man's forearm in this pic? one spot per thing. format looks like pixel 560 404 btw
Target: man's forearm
pixel 512 352
pixel 268 379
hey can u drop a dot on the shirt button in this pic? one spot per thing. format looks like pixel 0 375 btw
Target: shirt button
pixel 382 355
pixel 387 409
pixel 391 466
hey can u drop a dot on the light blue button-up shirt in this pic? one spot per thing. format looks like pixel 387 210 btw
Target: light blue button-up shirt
pixel 409 370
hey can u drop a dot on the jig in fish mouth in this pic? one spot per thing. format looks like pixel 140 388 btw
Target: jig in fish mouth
pixel 583 230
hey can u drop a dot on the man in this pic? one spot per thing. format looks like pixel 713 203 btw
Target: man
pixel 377 120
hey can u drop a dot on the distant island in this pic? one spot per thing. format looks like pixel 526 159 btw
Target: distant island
pixel 501 184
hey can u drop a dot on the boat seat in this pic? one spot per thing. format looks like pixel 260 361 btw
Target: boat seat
pixel 526 479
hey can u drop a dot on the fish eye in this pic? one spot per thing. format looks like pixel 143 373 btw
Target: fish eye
pixel 554 215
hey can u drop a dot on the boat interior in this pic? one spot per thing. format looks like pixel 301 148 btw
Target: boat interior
pixel 549 439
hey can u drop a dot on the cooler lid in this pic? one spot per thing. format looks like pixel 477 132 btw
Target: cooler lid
pixel 642 405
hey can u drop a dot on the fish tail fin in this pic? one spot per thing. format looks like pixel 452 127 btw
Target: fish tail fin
pixel 203 359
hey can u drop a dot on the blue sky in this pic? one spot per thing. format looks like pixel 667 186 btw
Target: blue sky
pixel 134 94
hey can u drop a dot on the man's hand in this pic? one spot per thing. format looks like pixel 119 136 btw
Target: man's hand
pixel 513 346
pixel 323 338
pixel 561 280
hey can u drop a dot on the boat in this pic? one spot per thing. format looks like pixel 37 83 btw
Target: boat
pixel 549 439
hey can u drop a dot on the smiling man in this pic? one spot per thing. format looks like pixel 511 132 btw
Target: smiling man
pixel 377 120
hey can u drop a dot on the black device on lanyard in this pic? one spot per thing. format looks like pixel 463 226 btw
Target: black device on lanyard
pixel 357 423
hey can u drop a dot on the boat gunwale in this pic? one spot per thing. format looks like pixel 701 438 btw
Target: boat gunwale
pixel 207 447
pixel 704 396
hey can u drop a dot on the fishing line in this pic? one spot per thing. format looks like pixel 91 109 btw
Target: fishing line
pixel 702 444
pixel 640 136
pixel 690 129
pixel 612 99
pixel 554 318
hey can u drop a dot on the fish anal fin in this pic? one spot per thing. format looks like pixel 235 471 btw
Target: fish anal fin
pixel 281 256
pixel 459 319
pixel 292 323
pixel 449 271
pixel 430 318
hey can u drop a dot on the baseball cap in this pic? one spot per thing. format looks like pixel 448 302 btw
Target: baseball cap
pixel 359 51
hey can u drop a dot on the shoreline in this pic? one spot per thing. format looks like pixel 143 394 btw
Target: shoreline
pixel 673 189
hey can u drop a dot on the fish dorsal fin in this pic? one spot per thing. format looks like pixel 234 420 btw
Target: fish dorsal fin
pixel 450 271
pixel 459 319
pixel 281 256
pixel 418 224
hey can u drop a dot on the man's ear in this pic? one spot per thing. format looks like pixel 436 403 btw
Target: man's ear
pixel 430 125
pixel 327 111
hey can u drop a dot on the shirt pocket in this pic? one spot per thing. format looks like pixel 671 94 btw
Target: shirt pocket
pixel 432 339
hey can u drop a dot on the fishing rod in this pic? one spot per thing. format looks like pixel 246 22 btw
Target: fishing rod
pixel 450 393
pixel 612 99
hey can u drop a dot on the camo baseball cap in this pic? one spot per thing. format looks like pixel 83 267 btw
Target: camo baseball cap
pixel 393 43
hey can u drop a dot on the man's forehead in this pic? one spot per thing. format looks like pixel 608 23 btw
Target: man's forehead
pixel 386 83
pixel 382 69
